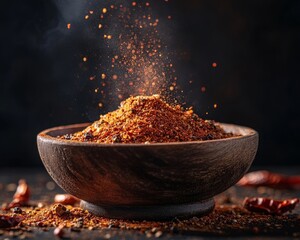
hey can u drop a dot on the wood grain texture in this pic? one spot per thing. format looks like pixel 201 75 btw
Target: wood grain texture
pixel 146 174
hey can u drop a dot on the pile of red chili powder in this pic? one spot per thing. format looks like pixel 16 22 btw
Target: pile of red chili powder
pixel 149 119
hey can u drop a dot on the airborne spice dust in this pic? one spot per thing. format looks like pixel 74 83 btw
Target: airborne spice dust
pixel 135 58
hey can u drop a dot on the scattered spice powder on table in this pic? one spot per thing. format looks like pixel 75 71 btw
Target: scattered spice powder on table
pixel 225 220
pixel 149 119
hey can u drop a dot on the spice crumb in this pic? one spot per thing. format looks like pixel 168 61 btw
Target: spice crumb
pixel 59 232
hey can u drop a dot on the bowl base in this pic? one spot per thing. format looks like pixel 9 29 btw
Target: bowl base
pixel 156 212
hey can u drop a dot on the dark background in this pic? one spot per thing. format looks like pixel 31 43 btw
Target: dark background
pixel 256 83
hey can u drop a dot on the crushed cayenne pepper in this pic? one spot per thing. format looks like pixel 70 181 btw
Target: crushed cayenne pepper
pixel 225 220
pixel 149 119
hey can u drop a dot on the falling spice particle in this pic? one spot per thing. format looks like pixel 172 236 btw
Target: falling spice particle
pixel 214 65
pixel 152 68
pixel 203 89
pixel 215 106
pixel 103 76
pixel 92 78
pixel 84 59
pixel 69 26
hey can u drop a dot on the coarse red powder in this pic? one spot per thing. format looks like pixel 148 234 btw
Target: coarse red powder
pixel 149 119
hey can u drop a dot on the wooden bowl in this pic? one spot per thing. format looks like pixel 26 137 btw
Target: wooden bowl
pixel 142 181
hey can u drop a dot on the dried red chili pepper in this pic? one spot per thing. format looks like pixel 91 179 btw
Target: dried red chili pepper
pixel 270 206
pixel 66 199
pixel 21 196
pixel 8 222
pixel 269 179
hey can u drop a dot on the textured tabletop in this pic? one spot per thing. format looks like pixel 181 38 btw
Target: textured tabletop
pixel 229 218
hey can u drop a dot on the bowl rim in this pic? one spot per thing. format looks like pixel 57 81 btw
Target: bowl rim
pixel 45 137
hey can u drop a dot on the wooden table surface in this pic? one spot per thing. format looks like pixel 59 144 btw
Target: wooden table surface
pixel 44 189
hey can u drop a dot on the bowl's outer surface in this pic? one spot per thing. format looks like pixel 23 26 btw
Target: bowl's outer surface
pixel 146 174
